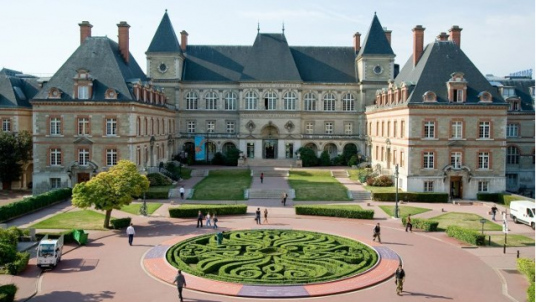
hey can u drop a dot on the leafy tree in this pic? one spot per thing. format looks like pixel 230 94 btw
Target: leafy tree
pixel 349 151
pixel 308 157
pixel 16 149
pixel 324 158
pixel 111 190
pixel 231 157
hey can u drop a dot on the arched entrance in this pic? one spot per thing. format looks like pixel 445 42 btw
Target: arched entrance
pixel 312 146
pixel 210 149
pixel 189 152
pixel 270 135
pixel 227 147
pixel 331 149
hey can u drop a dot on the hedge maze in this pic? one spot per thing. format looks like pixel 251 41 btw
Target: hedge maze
pixel 272 257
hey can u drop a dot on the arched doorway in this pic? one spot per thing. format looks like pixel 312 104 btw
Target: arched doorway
pixel 312 146
pixel 270 135
pixel 227 147
pixel 189 152
pixel 210 149
pixel 331 149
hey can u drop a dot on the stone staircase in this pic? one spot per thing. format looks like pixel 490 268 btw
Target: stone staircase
pixel 269 194
pixel 287 163
pixel 339 173
pixel 270 173
pixel 360 195
pixel 199 173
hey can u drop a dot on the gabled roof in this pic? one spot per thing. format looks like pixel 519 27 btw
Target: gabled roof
pixel 101 57
pixel 375 42
pixel 16 91
pixel 165 39
pixel 438 62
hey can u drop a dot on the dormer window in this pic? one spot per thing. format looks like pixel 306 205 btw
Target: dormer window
pixel 457 88
pixel 83 92
pixel 508 92
pixel 485 97
pixel 429 96
pixel 54 93
pixel 83 84
pixel 514 105
pixel 532 91
pixel 110 94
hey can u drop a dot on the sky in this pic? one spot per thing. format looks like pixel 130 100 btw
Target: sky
pixel 38 36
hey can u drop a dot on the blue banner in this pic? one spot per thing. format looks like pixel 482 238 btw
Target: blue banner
pixel 199 147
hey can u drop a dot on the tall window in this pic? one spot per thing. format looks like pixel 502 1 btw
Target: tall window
pixel 210 126
pixel 55 157
pixel 289 100
pixel 428 186
pixel 111 157
pixel 456 130
pixel 83 157
pixel 456 160
pixel 383 128
pixel 395 129
pixel 83 126
pixel 230 127
pixel 402 129
pixel 55 183
pixel 6 125
pixel 348 102
pixel 484 130
pixel 211 100
pixel 388 128
pixel 329 102
pixel 402 158
pixel 428 160
pixel 191 126
pixel 328 126
pixel 83 92
pixel 145 126
pixel 111 127
pixel 309 127
pixel 270 101
pixel 483 186
pixel 230 101
pixel 251 100
pixel 55 126
pixel 348 128
pixel 458 95
pixel 512 155
pixel 429 129
pixel 483 160
pixel 191 100
pixel 512 130
pixel 310 102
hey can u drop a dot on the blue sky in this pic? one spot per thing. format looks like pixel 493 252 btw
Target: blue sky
pixel 498 35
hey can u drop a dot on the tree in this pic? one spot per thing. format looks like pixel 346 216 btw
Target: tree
pixel 16 149
pixel 111 190
pixel 308 157
pixel 324 158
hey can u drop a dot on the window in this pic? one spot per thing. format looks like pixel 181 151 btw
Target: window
pixel 230 127
pixel 483 160
pixel 210 126
pixel 6 125
pixel 111 157
pixel 83 126
pixel 348 102
pixel 329 102
pixel 191 100
pixel 429 129
pixel 512 155
pixel 146 127
pixel 456 130
pixel 328 126
pixel 511 180
pixel 458 95
pixel 508 92
pixel 111 127
pixel 377 153
pixel 55 157
pixel 428 186
pixel 512 130
pixel 289 101
pixel 388 128
pixel 483 186
pixel 401 158
pixel 428 160
pixel 395 125
pixel 456 160
pixel 55 126
pixel 83 92
pixel 309 127
pixel 310 102
pixel 211 99
pixel 55 183
pixel 377 128
pixel 382 154
pixel 348 128
pixel 251 100
pixel 191 127
pixel 514 105
pixel 230 101
pixel 383 128
pixel 484 130
pixel 402 129
pixel 270 101
pixel 83 157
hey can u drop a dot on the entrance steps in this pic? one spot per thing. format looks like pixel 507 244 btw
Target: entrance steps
pixel 360 195
pixel 269 173
pixel 269 193
pixel 286 163
pixel 339 173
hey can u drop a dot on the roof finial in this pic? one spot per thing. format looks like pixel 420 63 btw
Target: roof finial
pixel 258 27
pixel 166 10
pixel 283 27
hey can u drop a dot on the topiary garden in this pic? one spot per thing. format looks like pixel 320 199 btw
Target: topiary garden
pixel 272 257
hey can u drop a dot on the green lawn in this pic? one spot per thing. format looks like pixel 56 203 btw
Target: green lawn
pixel 223 185
pixel 84 220
pixel 134 208
pixel 512 240
pixel 403 210
pixel 465 220
pixel 382 189
pixel 316 185
pixel 160 189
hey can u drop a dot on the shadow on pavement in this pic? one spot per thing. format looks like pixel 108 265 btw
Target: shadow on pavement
pixel 74 265
pixel 74 296
pixel 396 243
pixel 428 296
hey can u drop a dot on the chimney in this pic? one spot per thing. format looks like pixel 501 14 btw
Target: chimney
pixel 418 43
pixel 85 31
pixel 357 42
pixel 456 35
pixel 387 34
pixel 123 40
pixel 443 37
pixel 184 40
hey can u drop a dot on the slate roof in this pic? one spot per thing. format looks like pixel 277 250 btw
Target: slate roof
pixel 439 60
pixel 16 91
pixel 522 90
pixel 102 58
pixel 375 42
pixel 165 39
pixel 325 64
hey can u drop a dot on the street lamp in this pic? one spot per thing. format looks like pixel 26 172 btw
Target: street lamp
pixel 396 191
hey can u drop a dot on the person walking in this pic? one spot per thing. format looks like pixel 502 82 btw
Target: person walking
pixel 262 177
pixel 493 212
pixel 199 219
pixel 409 225
pixel 181 191
pixel 400 277
pixel 207 220
pixel 258 216
pixel 284 198
pixel 219 238
pixel 131 232
pixel 215 220
pixel 376 233
pixel 181 282
pixel 265 216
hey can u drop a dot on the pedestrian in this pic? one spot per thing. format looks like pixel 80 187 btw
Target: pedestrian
pixel 181 191
pixel 409 225
pixel 131 232
pixel 400 277
pixel 265 216
pixel 376 233
pixel 284 199
pixel 258 216
pixel 199 219
pixel 215 220
pixel 207 218
pixel 493 212
pixel 219 238
pixel 181 282
pixel 262 177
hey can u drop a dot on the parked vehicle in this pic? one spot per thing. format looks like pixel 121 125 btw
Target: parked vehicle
pixel 522 211
pixel 49 252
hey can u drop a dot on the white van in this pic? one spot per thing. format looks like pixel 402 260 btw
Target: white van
pixel 522 211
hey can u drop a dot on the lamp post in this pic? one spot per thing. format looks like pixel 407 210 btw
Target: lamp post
pixel 396 191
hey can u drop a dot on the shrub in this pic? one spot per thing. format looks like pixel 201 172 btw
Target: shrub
pixel 308 157
pixel 348 153
pixel 19 264
pixel 467 235
pixel 526 266
pixel 335 211
pixel 324 159
pixel 31 204
pixel 7 292
pixel 338 161
pixel 157 194
pixel 352 161
pixel 411 196
pixel 8 253
pixel 383 181
pixel 422 224
pixel 10 236
pixel 190 210
pixel 231 157
pixel 119 223
pixel 218 159
pixel 157 179
pixel 501 198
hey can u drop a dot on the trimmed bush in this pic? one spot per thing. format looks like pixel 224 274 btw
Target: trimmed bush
pixel 467 235
pixel 412 196
pixel 157 194
pixel 422 224
pixel 8 253
pixel 19 265
pixel 190 210
pixel 526 266
pixel 308 157
pixel 157 179
pixel 500 198
pixel 324 159
pixel 31 204
pixel 335 211
pixel 7 292
pixel 119 223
